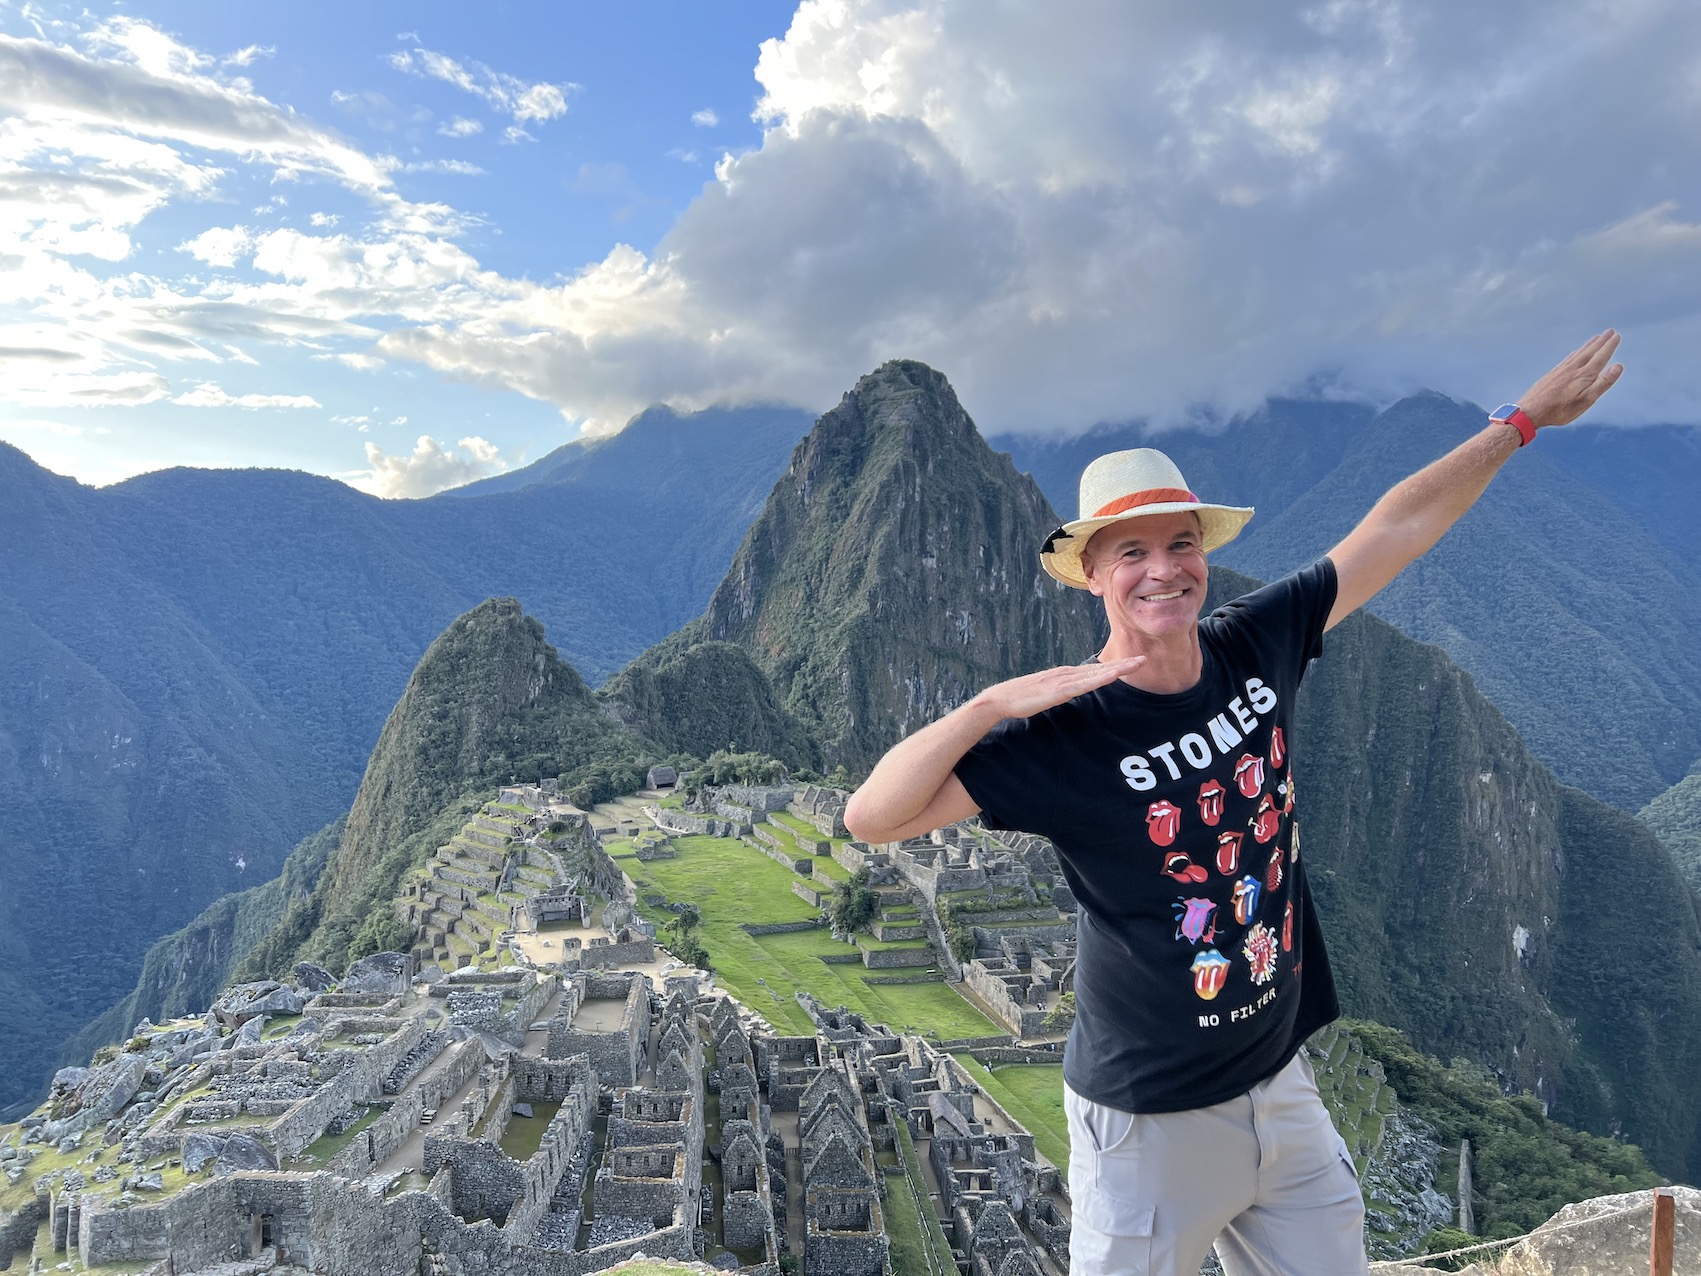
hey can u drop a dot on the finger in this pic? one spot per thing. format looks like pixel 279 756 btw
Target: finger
pixel 1603 352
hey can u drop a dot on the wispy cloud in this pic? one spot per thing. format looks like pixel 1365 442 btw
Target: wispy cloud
pixel 522 102
pixel 460 126
pixel 706 118
pixel 210 395
pixel 249 55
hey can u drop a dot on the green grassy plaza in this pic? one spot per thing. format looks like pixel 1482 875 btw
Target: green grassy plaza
pixel 732 884
pixel 1033 1094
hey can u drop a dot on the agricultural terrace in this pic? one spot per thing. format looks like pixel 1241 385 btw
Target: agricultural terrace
pixel 1033 1094
pixel 733 883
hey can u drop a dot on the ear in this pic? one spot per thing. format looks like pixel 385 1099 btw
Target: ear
pixel 1090 570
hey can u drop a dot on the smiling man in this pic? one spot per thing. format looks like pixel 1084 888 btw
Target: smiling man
pixel 1161 772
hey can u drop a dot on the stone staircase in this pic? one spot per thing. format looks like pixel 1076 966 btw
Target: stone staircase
pixel 472 883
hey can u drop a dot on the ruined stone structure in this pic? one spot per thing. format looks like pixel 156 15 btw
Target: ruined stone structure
pixel 518 1118
pixel 1021 985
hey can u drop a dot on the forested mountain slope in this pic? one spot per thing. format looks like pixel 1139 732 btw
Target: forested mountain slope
pixel 893 571
pixel 194 665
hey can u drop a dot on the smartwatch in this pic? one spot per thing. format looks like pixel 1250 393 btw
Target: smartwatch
pixel 1513 415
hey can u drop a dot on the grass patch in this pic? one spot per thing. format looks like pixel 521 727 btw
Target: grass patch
pixel 732 883
pixel 524 1135
pixel 1033 1094
pixel 926 1248
pixel 322 1149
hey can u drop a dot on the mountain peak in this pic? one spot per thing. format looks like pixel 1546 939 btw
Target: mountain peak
pixel 895 569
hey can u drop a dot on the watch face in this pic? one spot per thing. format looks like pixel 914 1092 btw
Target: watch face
pixel 1503 412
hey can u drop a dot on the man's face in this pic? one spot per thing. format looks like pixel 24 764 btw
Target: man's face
pixel 1150 572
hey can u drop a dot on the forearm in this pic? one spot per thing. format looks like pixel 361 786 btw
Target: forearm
pixel 1418 511
pixel 911 774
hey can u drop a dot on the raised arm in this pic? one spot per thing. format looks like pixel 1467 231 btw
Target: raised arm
pixel 1406 523
pixel 914 788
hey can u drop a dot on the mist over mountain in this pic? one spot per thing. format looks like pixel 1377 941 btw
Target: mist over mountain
pixel 1573 601
pixel 194 664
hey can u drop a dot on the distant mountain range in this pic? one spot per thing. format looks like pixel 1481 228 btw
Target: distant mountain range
pixel 194 664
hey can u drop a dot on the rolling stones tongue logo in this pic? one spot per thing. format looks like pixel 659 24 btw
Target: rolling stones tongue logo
pixel 1211 801
pixel 1268 819
pixel 1194 920
pixel 1273 874
pixel 1249 774
pixel 1228 852
pixel 1210 970
pixel 1278 748
pixel 1163 822
pixel 1184 870
pixel 1246 892
pixel 1287 928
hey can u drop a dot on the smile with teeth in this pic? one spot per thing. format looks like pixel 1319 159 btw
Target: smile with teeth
pixel 1163 598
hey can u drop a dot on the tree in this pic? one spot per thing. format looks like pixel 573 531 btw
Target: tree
pixel 1060 1016
pixel 854 905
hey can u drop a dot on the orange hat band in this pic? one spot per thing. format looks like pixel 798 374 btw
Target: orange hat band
pixel 1151 496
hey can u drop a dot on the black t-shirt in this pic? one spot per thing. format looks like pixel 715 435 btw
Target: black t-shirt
pixel 1200 967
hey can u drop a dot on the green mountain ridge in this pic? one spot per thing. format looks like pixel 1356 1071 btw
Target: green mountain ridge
pixel 490 701
pixel 1676 817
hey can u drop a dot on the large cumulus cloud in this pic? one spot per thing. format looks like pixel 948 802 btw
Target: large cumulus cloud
pixel 1087 210
pixel 1103 209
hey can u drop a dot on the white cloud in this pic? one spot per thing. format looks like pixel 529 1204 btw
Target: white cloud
pixel 1125 210
pixel 210 395
pixel 706 118
pixel 248 55
pixel 460 126
pixel 512 96
pixel 461 167
pixel 221 245
pixel 429 468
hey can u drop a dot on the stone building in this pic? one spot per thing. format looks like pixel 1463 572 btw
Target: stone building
pixel 846 1226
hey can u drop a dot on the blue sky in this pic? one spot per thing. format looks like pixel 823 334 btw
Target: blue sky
pixel 411 245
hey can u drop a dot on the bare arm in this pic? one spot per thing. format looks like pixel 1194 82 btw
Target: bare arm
pixel 914 788
pixel 1417 512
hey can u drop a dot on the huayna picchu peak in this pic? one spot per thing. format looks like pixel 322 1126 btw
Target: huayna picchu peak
pixel 892 572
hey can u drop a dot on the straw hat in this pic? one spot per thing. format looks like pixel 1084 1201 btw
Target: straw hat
pixel 1133 484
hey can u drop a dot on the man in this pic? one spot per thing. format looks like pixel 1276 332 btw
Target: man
pixel 1161 772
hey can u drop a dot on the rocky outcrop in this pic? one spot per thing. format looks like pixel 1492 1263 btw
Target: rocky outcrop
pixel 1607 1236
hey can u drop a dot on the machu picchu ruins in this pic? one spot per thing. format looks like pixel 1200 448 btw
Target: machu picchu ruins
pixel 537 1085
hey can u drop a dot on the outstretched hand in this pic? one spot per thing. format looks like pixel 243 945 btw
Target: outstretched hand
pixel 1036 692
pixel 1575 383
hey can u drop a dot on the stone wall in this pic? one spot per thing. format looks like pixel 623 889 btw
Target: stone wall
pixel 617 1055
pixel 887 958
pixel 373 1146
pixel 777 928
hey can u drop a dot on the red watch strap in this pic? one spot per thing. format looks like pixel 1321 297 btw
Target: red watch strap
pixel 1520 421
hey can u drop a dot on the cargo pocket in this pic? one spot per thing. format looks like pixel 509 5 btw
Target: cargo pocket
pixel 1110 1235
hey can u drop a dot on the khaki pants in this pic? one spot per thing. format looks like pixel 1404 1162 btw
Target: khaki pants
pixel 1263 1176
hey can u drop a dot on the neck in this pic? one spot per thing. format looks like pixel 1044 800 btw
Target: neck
pixel 1174 663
